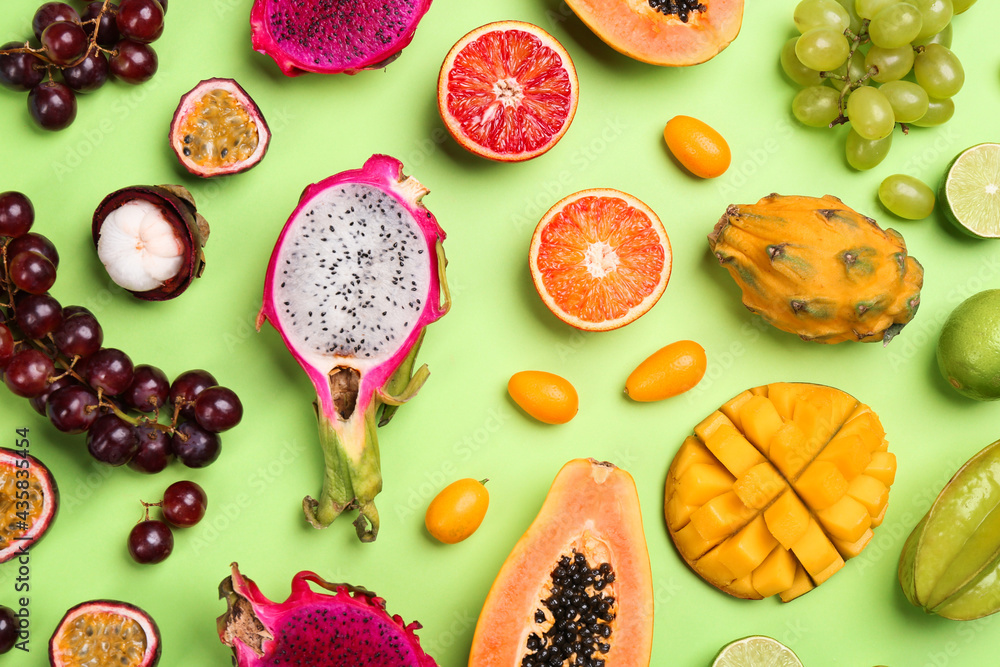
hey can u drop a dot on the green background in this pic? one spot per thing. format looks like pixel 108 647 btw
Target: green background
pixel 463 424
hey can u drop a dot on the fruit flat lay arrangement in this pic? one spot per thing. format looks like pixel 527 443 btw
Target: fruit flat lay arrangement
pixel 408 333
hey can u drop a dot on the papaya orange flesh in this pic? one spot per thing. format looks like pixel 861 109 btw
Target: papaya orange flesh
pixel 589 525
pixel 778 488
pixel 659 32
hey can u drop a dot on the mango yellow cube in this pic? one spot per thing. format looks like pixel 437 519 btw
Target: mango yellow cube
pixel 692 451
pixel 733 450
pixel 760 421
pixel 720 517
pixel 701 482
pixel 870 492
pixel 731 408
pixel 850 550
pixel 691 544
pixel 747 549
pixel 821 485
pixel 708 426
pixel 846 519
pixel 776 573
pixel 801 585
pixel 759 486
pixel 815 551
pixel 882 467
pixel 787 519
pixel 849 453
pixel 678 514
pixel 711 567
pixel 786 450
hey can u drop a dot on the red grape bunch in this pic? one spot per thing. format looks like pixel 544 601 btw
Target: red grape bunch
pixel 83 50
pixel 55 357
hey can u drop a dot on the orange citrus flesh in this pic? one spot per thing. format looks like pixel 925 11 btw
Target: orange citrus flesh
pixel 599 258
pixel 12 525
pixel 510 92
pixel 218 131
pixel 101 638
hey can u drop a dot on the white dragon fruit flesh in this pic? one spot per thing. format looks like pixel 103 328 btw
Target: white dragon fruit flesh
pixel 346 628
pixel 355 276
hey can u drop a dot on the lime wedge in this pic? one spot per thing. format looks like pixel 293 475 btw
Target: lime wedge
pixel 756 651
pixel 971 191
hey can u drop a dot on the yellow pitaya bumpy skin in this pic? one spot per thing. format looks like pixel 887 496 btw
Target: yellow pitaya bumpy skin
pixel 817 268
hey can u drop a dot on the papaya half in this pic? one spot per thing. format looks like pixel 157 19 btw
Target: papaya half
pixel 577 587
pixel 670 33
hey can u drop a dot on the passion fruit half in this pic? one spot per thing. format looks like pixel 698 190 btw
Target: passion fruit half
pixel 218 129
pixel 29 500
pixel 150 240
pixel 105 632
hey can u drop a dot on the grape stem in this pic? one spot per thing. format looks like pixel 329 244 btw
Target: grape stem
pixel 850 85
pixel 92 44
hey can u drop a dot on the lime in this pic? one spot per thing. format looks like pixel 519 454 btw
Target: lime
pixel 756 651
pixel 971 191
pixel 968 351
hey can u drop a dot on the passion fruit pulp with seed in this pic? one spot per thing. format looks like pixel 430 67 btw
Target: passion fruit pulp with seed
pixel 105 632
pixel 150 240
pixel 20 528
pixel 218 129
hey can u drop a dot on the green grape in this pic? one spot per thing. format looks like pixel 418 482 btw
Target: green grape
pixel 962 5
pixel 939 112
pixel 939 71
pixel 867 9
pixel 906 197
pixel 936 15
pixel 895 26
pixel 908 100
pixel 855 19
pixel 822 49
pixel 870 113
pixel 943 38
pixel 794 68
pixel 811 14
pixel 863 154
pixel 892 64
pixel 855 69
pixel 816 106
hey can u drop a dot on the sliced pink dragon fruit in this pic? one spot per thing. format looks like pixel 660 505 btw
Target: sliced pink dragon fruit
pixel 334 36
pixel 347 629
pixel 355 277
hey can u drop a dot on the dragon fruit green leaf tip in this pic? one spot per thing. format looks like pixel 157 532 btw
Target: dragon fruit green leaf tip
pixel 346 627
pixel 334 36
pixel 356 275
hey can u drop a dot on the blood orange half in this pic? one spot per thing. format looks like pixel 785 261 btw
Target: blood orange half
pixel 508 91
pixel 600 259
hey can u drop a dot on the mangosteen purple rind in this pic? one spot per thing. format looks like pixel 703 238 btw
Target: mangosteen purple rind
pixel 177 207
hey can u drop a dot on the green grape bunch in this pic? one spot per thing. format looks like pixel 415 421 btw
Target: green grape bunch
pixel 873 65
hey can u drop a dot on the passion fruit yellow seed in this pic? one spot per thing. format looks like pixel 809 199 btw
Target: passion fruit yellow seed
pixel 219 131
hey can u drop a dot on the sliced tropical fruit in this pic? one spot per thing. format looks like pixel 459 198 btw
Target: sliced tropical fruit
pixel 971 191
pixel 756 651
pixel 776 490
pixel 508 91
pixel 600 259
pixel 663 32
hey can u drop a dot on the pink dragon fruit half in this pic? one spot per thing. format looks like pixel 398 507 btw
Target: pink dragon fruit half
pixel 349 628
pixel 356 275
pixel 334 36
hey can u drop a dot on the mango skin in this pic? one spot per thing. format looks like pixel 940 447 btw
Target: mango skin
pixel 950 563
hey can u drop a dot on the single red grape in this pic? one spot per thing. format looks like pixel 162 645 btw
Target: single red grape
pixel 140 20
pixel 148 390
pixel 109 369
pixel 107 26
pixel 154 453
pixel 64 42
pixel 184 503
pixel 72 409
pixel 133 62
pixel 150 541
pixel 52 105
pixel 89 74
pixel 186 387
pixel 38 315
pixel 20 71
pixel 50 13
pixel 194 446
pixel 6 346
pixel 112 440
pixel 79 335
pixel 16 214
pixel 8 629
pixel 32 272
pixel 218 409
pixel 38 243
pixel 28 372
